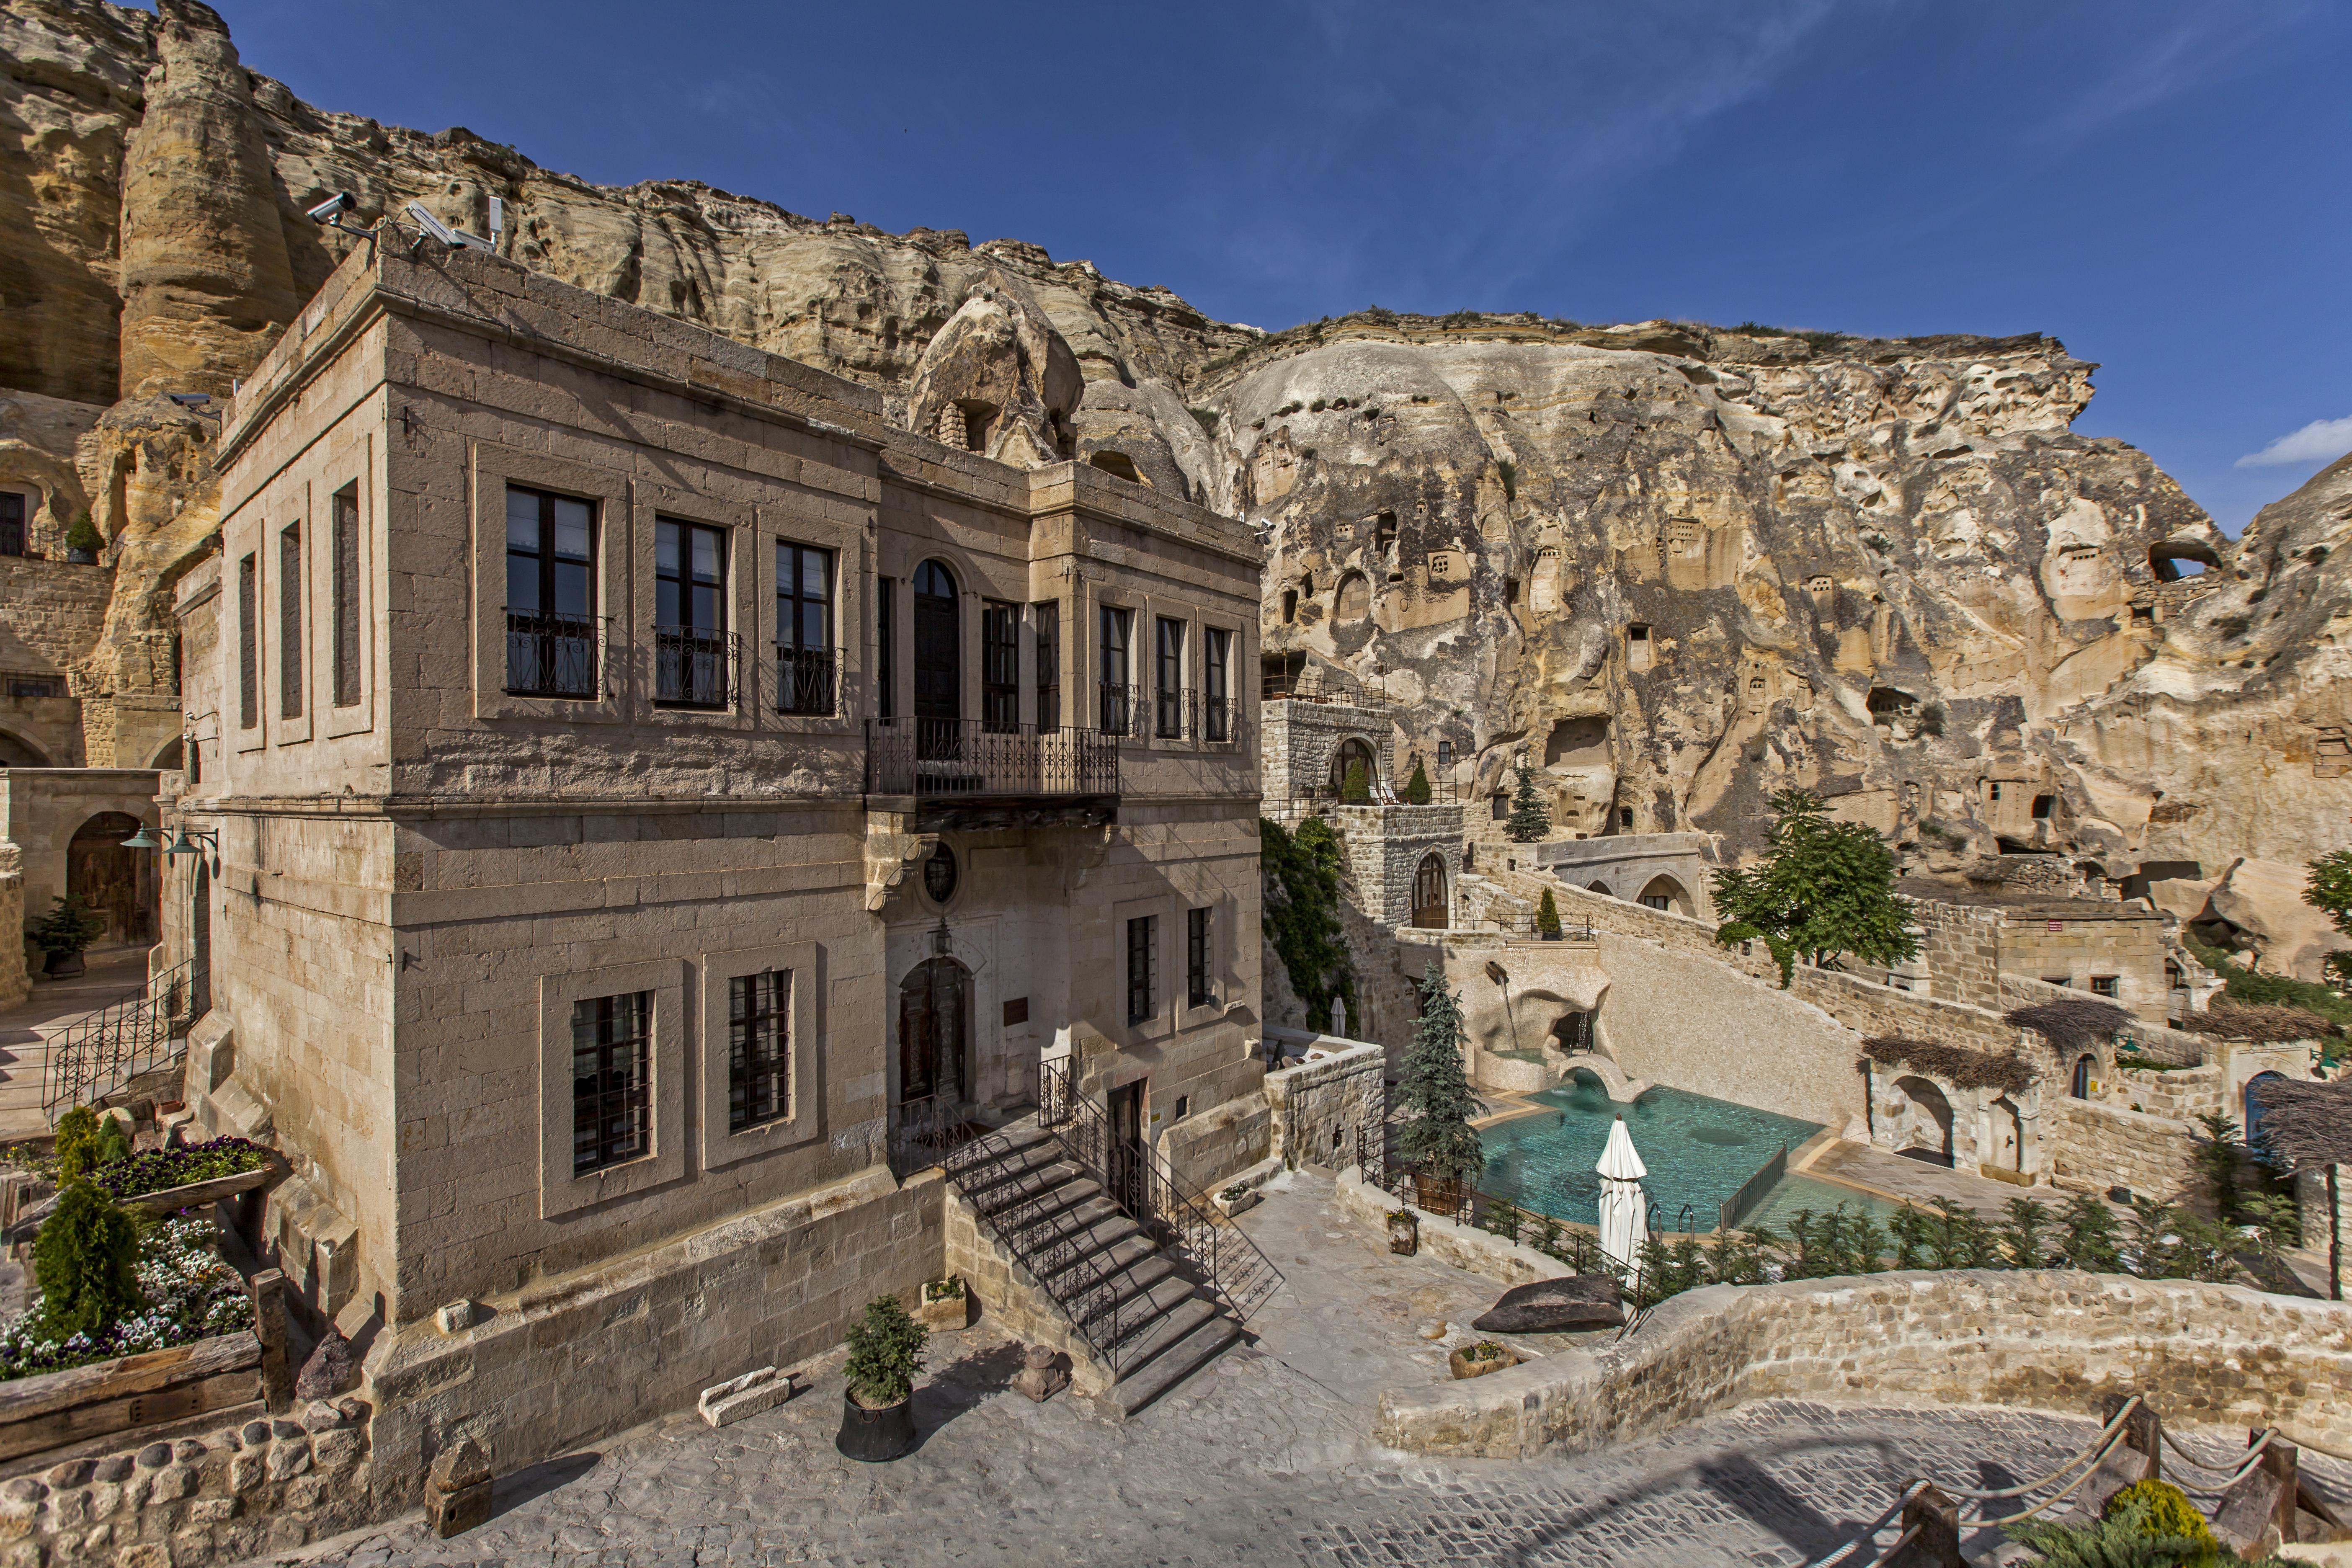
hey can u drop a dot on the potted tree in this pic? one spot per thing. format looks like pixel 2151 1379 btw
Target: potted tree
pixel 1355 786
pixel 1434 1089
pixel 83 542
pixel 877 1407
pixel 1416 788
pixel 1548 918
pixel 70 927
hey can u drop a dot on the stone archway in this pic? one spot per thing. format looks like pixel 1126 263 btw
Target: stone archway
pixel 934 1032
pixel 1429 901
pixel 1665 893
pixel 20 753
pixel 1922 1129
pixel 2008 1151
pixel 116 882
pixel 1348 753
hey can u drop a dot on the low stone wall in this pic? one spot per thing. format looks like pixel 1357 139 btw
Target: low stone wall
pixel 2205 1354
pixel 2091 1147
pixel 650 1332
pixel 1012 1297
pixel 1448 1241
pixel 2181 1093
pixel 1319 1105
pixel 1204 1150
pixel 248 1487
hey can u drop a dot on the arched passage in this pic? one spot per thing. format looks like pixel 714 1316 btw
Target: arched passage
pixel 1602 889
pixel 1350 752
pixel 2254 1110
pixel 2085 1066
pixel 1925 1129
pixel 1429 894
pixel 934 1030
pixel 2177 558
pixel 1355 598
pixel 21 753
pixel 1665 893
pixel 116 882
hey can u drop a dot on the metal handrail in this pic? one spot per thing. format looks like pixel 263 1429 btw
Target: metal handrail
pixel 695 667
pixel 122 1039
pixel 1141 1183
pixel 807 680
pixel 941 757
pixel 1736 1207
pixel 1121 709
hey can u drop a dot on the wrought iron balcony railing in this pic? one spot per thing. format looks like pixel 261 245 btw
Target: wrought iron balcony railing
pixel 1218 720
pixel 1167 715
pixel 555 656
pixel 695 667
pixel 1119 708
pixel 807 681
pixel 99 1052
pixel 951 757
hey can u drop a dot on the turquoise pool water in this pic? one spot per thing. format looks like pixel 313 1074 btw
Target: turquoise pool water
pixel 1699 1151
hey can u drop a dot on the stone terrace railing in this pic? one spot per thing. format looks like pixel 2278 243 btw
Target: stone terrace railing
pixel 2056 1340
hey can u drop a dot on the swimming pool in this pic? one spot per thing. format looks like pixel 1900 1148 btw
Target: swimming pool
pixel 1699 1151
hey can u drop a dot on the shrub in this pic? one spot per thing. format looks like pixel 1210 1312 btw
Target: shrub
pixel 885 1351
pixel 85 1259
pixel 191 1294
pixel 70 925
pixel 2243 985
pixel 1931 718
pixel 113 1143
pixel 1300 875
pixel 1356 788
pixel 2158 1510
pixel 1416 788
pixel 1880 543
pixel 84 534
pixel 76 1143
pixel 1547 915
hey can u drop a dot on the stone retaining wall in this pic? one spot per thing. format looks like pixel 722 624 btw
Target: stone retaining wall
pixel 1449 1241
pixel 2205 1354
pixel 1319 1105
pixel 1010 1295
pixel 2094 1147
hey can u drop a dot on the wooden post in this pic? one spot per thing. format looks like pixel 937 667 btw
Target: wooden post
pixel 2335 1240
pixel 2281 1459
pixel 2143 1433
pixel 2256 1515
pixel 268 1289
pixel 1936 1520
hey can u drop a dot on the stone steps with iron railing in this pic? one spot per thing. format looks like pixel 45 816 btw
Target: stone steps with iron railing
pixel 102 1052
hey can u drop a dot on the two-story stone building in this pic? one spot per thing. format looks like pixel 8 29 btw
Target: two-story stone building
pixel 649 783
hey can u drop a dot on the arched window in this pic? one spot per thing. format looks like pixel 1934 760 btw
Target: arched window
pixel 1352 752
pixel 1665 893
pixel 2084 1066
pixel 939 658
pixel 1355 601
pixel 1429 894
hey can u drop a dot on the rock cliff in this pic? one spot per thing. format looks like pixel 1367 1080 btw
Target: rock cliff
pixel 1676 567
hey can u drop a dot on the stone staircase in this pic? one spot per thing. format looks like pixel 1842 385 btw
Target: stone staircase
pixel 1126 1299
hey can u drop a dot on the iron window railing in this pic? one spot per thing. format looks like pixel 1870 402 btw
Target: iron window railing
pixel 694 667
pixel 807 680
pixel 941 757
pixel 1217 720
pixel 1167 719
pixel 1121 707
pixel 554 655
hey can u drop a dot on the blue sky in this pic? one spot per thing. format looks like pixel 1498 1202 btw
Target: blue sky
pixel 2161 185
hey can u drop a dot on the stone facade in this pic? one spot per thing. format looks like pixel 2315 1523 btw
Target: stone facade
pixel 431 868
pixel 1391 849
pixel 2100 1145
pixel 2204 1354
pixel 1638 866
pixel 1321 1098
pixel 1303 738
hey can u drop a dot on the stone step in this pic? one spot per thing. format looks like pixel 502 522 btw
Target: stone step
pixel 1072 1213
pixel 1113 1243
pixel 1145 1319
pixel 1191 1340
pixel 1037 1182
pixel 1006 1164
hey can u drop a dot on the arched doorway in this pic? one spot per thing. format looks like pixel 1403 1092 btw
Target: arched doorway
pixel 2254 1112
pixel 2008 1135
pixel 1602 889
pixel 116 882
pixel 200 944
pixel 938 661
pixel 1665 893
pixel 1429 894
pixel 16 754
pixel 2084 1066
pixel 1924 1131
pixel 1354 753
pixel 934 1030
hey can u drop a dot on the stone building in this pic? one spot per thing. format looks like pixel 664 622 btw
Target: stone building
pixel 642 786
pixel 2119 950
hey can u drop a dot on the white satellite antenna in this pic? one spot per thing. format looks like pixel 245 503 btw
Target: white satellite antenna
pixel 457 238
pixel 497 220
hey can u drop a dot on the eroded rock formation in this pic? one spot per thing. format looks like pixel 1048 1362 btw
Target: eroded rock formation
pixel 1674 567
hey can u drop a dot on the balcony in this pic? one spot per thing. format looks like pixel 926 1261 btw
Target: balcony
pixel 555 656
pixel 695 667
pixel 964 774
pixel 807 681
pixel 1120 710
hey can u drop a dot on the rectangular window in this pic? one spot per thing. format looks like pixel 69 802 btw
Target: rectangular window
pixel 886 635
pixel 1197 990
pixel 553 632
pixel 690 650
pixel 2104 985
pixel 289 621
pixel 347 596
pixel 1657 901
pixel 249 651
pixel 759 1061
pixel 1217 683
pixel 1118 696
pixel 1000 667
pixel 1047 619
pixel 1141 954
pixel 806 676
pixel 1169 672
pixel 12 524
pixel 611 1097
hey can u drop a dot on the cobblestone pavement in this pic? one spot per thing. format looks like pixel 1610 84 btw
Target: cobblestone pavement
pixel 1261 1458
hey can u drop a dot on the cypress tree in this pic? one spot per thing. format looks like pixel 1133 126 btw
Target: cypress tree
pixel 86 1260
pixel 1416 788
pixel 1434 1087
pixel 1547 915
pixel 1529 819
pixel 1356 788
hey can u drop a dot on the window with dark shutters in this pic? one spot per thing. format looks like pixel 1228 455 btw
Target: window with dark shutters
pixel 289 621
pixel 1139 977
pixel 347 596
pixel 1197 991
pixel 249 651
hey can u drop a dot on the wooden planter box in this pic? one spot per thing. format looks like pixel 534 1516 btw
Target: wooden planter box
pixel 52 1409
pixel 195 1194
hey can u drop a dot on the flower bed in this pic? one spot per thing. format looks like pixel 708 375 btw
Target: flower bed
pixel 192 1294
pixel 155 1170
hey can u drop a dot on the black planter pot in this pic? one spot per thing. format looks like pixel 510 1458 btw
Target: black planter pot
pixel 874 1435
pixel 1555 936
pixel 63 963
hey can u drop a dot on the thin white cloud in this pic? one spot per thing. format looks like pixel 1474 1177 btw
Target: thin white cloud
pixel 2321 441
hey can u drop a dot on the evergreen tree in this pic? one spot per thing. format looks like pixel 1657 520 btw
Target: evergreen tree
pixel 85 1259
pixel 1300 873
pixel 1823 888
pixel 1434 1089
pixel 1416 788
pixel 1529 819
pixel 2329 889
pixel 1356 788
pixel 1547 915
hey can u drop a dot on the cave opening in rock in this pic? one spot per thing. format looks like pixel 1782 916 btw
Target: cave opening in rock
pixel 1120 465
pixel 2177 558
pixel 1887 704
pixel 1354 597
pixel 1574 742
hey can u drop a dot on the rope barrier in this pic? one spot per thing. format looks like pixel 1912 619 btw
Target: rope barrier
pixel 2302 1442
pixel 2099 1442
pixel 1910 1490
pixel 1902 1540
pixel 2253 1456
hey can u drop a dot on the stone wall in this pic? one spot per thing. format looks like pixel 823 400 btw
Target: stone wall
pixel 2182 1093
pixel 2086 942
pixel 1206 1148
pixel 1011 1296
pixel 777 1286
pixel 1961 946
pixel 249 1487
pixel 16 984
pixel 1449 1241
pixel 2095 1146
pixel 1318 1104
pixel 1301 735
pixel 1385 845
pixel 2204 1354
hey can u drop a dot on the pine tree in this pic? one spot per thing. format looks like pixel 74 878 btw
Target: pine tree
pixel 1356 788
pixel 1416 788
pixel 85 1259
pixel 1529 819
pixel 1547 915
pixel 1821 889
pixel 1434 1089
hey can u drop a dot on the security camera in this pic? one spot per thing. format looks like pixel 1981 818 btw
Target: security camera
pixel 333 208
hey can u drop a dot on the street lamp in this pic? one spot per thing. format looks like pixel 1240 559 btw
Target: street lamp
pixel 186 841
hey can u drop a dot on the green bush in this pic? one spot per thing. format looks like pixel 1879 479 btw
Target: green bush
pixel 885 1351
pixel 76 1143
pixel 2242 984
pixel 1547 915
pixel 84 534
pixel 85 1259
pixel 70 925
pixel 1356 789
pixel 113 1143
pixel 1416 788
pixel 1300 876
pixel 1204 417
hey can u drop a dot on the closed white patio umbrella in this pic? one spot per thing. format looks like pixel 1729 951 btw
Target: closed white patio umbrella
pixel 1625 1217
